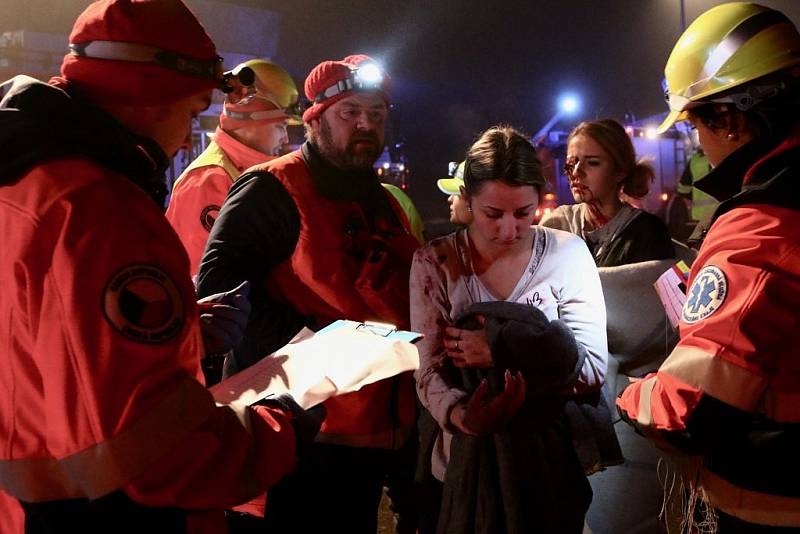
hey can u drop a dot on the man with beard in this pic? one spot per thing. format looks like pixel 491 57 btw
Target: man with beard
pixel 252 130
pixel 321 240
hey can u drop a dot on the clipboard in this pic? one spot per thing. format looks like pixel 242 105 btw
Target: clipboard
pixel 379 329
pixel 341 358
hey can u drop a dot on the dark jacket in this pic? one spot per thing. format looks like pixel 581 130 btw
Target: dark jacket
pixel 644 238
pixel 42 122
pixel 527 478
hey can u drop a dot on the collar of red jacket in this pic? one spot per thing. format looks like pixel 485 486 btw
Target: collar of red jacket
pixel 791 142
pixel 726 179
pixel 41 121
pixel 242 156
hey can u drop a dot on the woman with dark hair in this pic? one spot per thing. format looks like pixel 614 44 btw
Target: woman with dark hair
pixel 514 324
pixel 601 166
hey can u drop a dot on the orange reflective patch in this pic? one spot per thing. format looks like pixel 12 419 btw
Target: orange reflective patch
pixel 645 415
pixel 752 506
pixel 715 376
pixel 105 467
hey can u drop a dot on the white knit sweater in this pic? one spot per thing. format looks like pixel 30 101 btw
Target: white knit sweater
pixel 561 280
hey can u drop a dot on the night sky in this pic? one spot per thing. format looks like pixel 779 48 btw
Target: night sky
pixel 459 67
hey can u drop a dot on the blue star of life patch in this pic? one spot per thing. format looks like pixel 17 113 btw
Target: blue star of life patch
pixel 706 295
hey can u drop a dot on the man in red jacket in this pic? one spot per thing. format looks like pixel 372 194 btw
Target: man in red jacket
pixel 105 421
pixel 322 240
pixel 252 130
pixel 727 396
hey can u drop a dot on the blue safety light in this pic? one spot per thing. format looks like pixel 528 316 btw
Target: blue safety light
pixel 569 104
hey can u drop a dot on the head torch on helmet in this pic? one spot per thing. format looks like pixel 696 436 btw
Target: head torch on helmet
pixel 260 80
pixel 366 76
pixel 239 76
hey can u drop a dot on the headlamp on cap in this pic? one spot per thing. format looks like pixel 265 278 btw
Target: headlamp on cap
pixel 366 76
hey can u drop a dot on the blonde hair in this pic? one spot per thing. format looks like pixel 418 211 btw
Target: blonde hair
pixel 610 135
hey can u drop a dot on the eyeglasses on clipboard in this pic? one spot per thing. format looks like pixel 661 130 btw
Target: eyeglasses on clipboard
pixel 386 330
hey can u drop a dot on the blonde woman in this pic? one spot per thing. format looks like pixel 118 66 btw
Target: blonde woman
pixel 601 165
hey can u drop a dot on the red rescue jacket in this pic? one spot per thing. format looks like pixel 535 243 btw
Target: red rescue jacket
pixel 337 272
pixel 101 389
pixel 739 352
pixel 200 190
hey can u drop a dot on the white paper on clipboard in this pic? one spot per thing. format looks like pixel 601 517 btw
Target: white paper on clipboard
pixel 342 358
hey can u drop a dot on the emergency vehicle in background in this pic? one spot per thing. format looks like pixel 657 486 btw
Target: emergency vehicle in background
pixel 392 166
pixel 667 153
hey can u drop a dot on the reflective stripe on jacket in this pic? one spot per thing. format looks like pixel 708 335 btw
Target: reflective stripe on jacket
pixel 739 352
pixel 101 349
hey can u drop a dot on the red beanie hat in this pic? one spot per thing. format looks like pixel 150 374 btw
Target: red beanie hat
pixel 140 52
pixel 327 75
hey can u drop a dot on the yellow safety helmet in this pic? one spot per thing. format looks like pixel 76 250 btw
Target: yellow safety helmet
pixel 453 184
pixel 728 46
pixel 271 83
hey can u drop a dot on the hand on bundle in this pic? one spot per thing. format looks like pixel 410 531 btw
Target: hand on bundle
pixel 478 416
pixel 468 348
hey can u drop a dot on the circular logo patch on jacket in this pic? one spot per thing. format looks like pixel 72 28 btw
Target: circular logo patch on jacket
pixel 706 295
pixel 143 304
pixel 209 215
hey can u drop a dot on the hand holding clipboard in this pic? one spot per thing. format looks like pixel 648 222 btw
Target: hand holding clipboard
pixel 341 358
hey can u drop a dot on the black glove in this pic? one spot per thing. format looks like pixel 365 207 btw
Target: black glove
pixel 223 318
pixel 306 422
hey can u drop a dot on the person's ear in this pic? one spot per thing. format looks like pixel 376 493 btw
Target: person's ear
pixel 738 128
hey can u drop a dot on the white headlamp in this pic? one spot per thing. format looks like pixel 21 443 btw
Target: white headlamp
pixel 366 76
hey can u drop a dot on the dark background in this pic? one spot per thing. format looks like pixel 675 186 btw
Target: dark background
pixel 459 67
